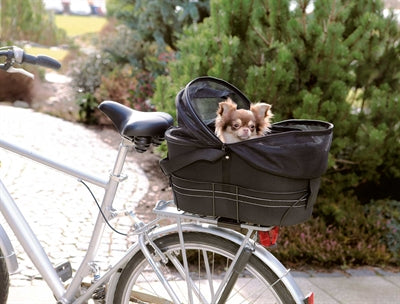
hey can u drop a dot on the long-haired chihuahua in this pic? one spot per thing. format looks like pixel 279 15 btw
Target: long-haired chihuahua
pixel 234 125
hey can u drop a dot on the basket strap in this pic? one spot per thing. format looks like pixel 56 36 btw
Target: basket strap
pixel 169 166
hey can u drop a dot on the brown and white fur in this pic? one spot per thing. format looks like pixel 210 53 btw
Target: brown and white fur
pixel 234 125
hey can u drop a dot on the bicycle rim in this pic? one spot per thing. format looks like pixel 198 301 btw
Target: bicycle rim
pixel 209 257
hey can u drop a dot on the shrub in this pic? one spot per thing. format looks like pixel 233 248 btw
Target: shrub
pixel 123 70
pixel 386 214
pixel 355 235
pixel 131 88
pixel 86 73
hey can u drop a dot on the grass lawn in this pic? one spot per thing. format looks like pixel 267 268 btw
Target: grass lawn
pixel 79 25
pixel 74 26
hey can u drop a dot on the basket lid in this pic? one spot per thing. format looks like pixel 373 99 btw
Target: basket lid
pixel 197 106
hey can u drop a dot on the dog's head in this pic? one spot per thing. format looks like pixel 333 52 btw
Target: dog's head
pixel 233 125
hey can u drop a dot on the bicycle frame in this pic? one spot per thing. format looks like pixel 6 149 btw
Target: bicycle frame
pixel 28 239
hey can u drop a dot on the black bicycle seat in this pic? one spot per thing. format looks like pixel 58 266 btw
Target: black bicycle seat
pixel 131 123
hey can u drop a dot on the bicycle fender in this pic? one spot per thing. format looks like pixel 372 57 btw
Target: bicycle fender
pixel 112 285
pixel 8 251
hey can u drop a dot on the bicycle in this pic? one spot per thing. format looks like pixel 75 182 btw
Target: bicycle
pixel 195 259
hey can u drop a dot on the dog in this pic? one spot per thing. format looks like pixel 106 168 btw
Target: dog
pixel 234 125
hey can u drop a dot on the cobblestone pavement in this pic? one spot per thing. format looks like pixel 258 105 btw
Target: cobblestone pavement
pixel 59 209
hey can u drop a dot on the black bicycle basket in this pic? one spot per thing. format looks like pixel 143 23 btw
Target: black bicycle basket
pixel 271 180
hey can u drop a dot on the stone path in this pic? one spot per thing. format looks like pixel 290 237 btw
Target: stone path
pixel 59 209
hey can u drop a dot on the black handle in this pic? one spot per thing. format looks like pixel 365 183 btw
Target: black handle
pixel 48 62
pixel 41 60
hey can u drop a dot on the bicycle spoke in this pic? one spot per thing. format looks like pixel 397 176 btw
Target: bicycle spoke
pixel 189 280
pixel 146 295
pixel 209 274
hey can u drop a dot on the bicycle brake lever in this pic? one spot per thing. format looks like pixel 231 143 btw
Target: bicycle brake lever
pixel 21 71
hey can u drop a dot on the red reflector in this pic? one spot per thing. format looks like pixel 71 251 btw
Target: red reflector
pixel 309 299
pixel 268 238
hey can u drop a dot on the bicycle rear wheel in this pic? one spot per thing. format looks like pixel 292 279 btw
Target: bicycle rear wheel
pixel 4 279
pixel 208 256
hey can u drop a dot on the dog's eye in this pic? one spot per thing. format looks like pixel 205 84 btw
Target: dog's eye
pixel 236 126
pixel 252 127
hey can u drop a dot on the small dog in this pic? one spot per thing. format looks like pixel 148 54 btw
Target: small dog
pixel 233 125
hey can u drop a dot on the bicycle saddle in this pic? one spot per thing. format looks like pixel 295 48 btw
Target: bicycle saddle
pixel 131 123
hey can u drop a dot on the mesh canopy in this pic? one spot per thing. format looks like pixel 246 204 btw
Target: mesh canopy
pixel 197 106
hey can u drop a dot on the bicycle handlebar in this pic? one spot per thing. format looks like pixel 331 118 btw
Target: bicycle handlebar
pixel 15 55
pixel 41 60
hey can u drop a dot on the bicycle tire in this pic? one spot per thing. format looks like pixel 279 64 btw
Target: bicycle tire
pixel 138 273
pixel 4 280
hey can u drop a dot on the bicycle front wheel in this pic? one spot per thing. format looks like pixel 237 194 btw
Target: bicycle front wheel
pixel 208 257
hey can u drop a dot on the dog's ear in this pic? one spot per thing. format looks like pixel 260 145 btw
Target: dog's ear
pixel 261 110
pixel 226 106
